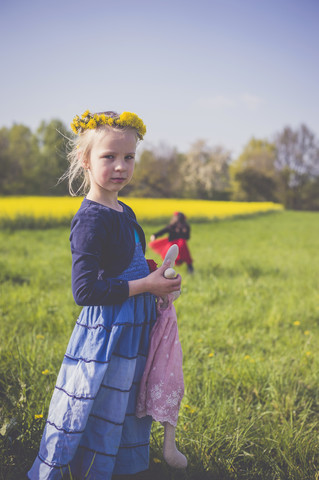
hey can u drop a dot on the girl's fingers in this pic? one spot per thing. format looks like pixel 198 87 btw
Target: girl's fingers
pixel 162 286
pixel 174 283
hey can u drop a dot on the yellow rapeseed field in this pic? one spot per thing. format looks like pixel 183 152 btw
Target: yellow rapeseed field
pixel 62 209
pixel 196 209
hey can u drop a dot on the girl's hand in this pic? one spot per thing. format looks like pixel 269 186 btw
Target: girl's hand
pixel 152 238
pixel 160 286
pixel 155 283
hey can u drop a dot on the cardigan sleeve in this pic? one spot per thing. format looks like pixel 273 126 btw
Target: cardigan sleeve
pixel 162 231
pixel 88 240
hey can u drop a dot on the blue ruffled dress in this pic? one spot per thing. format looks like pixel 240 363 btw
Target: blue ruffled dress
pixel 91 425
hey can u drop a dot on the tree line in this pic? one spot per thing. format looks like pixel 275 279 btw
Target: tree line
pixel 284 169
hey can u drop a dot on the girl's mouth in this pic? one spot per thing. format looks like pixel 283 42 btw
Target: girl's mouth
pixel 118 180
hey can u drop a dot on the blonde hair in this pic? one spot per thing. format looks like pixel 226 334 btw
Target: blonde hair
pixel 80 150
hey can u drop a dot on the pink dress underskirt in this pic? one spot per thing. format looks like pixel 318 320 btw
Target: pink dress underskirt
pixel 162 384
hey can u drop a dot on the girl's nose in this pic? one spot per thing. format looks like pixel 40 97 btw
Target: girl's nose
pixel 120 164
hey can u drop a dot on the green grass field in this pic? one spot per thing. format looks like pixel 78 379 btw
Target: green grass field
pixel 249 327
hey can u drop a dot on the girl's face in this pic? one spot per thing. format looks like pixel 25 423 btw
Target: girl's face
pixel 111 162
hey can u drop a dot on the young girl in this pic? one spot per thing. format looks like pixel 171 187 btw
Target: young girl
pixel 178 233
pixel 91 425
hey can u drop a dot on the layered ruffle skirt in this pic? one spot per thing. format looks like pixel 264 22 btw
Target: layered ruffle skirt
pixel 161 246
pixel 91 425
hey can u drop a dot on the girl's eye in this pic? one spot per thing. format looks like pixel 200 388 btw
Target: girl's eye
pixel 110 157
pixel 129 157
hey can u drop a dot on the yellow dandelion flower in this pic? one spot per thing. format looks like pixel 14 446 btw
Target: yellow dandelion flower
pixel 125 117
pixel 308 354
pixel 85 114
pixel 246 357
pixel 39 337
pixel 103 119
pixel 211 354
pixel 296 323
pixel 91 123
pixel 191 409
pixel 45 372
pixel 132 120
pixel 82 125
pixel 74 128
pixel 306 332
pixel 38 416
pixel 156 460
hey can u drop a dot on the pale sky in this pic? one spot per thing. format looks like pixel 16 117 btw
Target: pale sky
pixel 219 70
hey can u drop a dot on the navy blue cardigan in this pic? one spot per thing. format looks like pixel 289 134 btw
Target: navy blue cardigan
pixel 102 246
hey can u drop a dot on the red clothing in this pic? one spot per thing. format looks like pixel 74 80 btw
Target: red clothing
pixel 161 246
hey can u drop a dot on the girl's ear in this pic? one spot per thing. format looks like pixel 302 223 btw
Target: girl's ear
pixel 84 162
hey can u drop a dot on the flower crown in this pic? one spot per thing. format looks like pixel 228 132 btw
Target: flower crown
pixel 90 120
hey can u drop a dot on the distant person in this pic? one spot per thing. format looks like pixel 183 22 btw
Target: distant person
pixel 178 233
pixel 92 430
